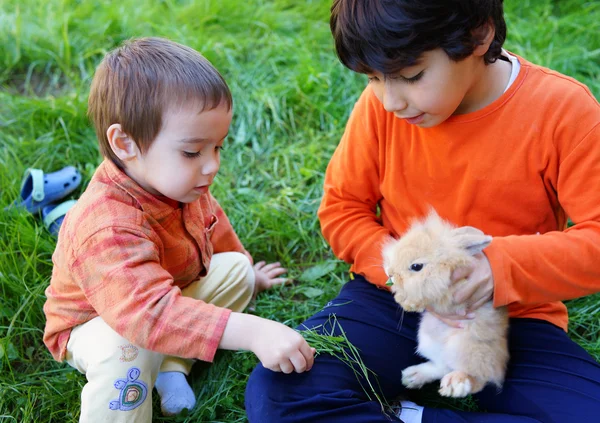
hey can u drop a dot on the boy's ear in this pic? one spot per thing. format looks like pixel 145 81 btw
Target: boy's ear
pixel 484 35
pixel 471 239
pixel 121 143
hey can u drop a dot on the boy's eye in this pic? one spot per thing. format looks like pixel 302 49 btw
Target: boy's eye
pixel 412 79
pixel 373 79
pixel 408 80
pixel 190 154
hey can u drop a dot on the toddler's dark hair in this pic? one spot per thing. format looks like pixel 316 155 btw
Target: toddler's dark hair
pixel 389 35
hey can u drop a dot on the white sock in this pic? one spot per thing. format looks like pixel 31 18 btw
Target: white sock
pixel 175 393
pixel 410 412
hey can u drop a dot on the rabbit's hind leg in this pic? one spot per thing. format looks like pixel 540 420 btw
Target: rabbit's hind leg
pixel 458 384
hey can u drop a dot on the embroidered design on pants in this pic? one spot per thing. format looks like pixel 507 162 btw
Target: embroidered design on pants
pixel 130 352
pixel 133 391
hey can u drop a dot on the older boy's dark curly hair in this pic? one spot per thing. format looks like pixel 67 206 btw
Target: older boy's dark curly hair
pixel 388 35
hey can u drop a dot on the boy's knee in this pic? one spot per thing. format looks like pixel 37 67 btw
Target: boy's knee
pixel 242 273
pixel 124 358
pixel 95 347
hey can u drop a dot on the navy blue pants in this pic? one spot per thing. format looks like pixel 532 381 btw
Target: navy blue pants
pixel 550 378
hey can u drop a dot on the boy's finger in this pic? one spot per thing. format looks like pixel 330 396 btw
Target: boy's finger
pixel 278 281
pixel 460 273
pixel 465 292
pixel 270 266
pixel 299 362
pixel 452 321
pixel 479 303
pixel 276 272
pixel 309 354
pixel 286 366
pixel 445 316
pixel 274 368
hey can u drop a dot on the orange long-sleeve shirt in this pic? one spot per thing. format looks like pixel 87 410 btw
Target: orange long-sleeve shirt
pixel 516 169
pixel 124 254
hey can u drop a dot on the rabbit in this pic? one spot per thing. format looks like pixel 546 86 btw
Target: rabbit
pixel 419 265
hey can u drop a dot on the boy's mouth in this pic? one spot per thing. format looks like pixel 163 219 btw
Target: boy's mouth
pixel 415 119
pixel 202 189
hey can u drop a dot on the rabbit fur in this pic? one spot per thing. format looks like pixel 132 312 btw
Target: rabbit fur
pixel 419 265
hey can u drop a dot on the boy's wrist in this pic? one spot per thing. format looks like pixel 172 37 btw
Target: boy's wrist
pixel 239 332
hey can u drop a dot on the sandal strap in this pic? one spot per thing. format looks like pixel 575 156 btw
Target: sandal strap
pixel 37 179
pixel 58 211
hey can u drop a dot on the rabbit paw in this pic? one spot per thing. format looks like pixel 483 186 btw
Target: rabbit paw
pixel 414 377
pixel 456 384
pixel 413 306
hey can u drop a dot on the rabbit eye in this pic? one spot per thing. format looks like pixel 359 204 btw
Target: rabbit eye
pixel 416 267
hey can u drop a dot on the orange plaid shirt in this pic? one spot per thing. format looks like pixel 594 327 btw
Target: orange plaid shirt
pixel 124 254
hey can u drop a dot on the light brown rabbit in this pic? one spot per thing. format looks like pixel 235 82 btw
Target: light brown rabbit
pixel 419 265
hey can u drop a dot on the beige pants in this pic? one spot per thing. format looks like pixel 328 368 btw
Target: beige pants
pixel 120 376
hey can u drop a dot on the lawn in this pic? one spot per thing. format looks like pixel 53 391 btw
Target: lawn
pixel 292 98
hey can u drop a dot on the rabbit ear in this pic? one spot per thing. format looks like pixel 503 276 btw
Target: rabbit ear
pixel 471 239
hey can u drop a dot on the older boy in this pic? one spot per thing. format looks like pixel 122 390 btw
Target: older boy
pixel 147 269
pixel 451 120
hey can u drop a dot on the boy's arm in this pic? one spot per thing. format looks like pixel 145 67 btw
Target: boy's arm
pixel 278 347
pixel 557 266
pixel 121 276
pixel 348 210
pixel 136 297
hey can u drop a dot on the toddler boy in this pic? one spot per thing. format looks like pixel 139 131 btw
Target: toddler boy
pixel 148 271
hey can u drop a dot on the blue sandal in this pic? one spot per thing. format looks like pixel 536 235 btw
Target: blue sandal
pixel 54 214
pixel 39 190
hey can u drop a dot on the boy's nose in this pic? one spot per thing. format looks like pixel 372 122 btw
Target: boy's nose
pixel 393 101
pixel 211 166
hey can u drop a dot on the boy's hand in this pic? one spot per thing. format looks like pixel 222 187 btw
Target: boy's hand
pixel 478 288
pixel 266 276
pixel 282 349
pixel 475 289
pixel 278 347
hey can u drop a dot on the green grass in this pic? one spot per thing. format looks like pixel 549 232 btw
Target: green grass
pixel 292 98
